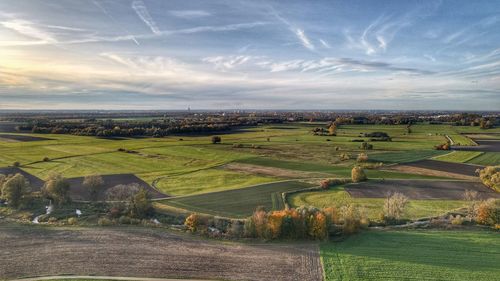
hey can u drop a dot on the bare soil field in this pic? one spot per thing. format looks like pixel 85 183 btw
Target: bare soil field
pixel 79 192
pixel 135 252
pixel 448 167
pixel 35 183
pixel 271 171
pixel 21 138
pixel 429 172
pixel 419 189
pixel 485 145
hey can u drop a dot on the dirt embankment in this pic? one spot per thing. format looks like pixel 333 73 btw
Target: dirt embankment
pixel 136 252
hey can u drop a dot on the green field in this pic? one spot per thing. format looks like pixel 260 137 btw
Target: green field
pixel 209 180
pixel 239 202
pixel 372 206
pixel 413 255
pixel 459 156
pixel 487 158
pixel 404 156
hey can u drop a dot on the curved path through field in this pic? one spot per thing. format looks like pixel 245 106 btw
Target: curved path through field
pixel 31 251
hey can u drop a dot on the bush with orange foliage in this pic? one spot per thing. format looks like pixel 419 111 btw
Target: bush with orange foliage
pixel 318 228
pixel 192 222
pixel 488 212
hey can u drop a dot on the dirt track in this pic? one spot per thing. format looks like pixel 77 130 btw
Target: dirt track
pixel 37 251
pixel 419 189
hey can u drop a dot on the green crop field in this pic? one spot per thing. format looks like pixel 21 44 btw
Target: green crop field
pixel 236 203
pixel 372 206
pixel 487 158
pixel 209 180
pixel 404 156
pixel 459 156
pixel 413 255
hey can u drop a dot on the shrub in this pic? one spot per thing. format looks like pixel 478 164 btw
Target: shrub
pixel 124 220
pixel 358 174
pixel 362 157
pixel 471 197
pixel 140 204
pixel 72 221
pixel 490 176
pixel 344 156
pixel 237 145
pixel 15 190
pixel 52 220
pixel 192 222
pixel 104 222
pixel 46 159
pixel 93 184
pixel 351 219
pixel 57 188
pixel 236 229
pixel 488 212
pixel 318 226
pixel 444 146
pixel 16 164
pixel 216 139
pixel 366 146
pixel 256 146
pixel 394 206
pixel 457 220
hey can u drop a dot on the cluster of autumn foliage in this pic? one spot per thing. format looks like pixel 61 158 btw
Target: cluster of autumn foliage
pixel 299 223
pixel 490 176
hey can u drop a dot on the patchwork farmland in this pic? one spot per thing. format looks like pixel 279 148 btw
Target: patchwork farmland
pixel 269 166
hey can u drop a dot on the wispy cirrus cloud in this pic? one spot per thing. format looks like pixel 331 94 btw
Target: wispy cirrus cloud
pixel 299 33
pixel 143 13
pixel 29 29
pixel 190 14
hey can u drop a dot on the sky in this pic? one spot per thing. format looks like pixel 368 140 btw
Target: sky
pixel 231 54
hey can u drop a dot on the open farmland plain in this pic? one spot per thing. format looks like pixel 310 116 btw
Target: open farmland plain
pixel 252 167
pixel 254 164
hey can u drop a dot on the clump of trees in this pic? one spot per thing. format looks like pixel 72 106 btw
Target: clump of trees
pixel 299 223
pixel 216 139
pixel 56 188
pixel 378 136
pixel 327 183
pixel 358 174
pixel 93 184
pixel 490 176
pixel 15 189
pixel 129 200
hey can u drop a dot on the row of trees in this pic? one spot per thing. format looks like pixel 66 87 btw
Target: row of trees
pixel 125 200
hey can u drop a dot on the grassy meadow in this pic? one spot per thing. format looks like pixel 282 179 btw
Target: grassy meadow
pixel 413 255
